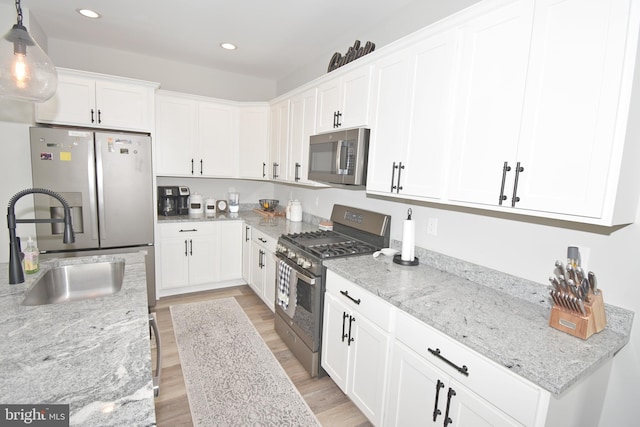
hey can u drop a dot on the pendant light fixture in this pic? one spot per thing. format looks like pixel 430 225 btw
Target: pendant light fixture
pixel 26 72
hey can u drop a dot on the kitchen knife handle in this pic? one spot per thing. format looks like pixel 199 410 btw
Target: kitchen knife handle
pixel 505 168
pixel 515 199
pixel 448 420
pixel 344 320
pixel 464 370
pixel 393 176
pixel 437 411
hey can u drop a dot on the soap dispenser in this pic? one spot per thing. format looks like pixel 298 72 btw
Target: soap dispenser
pixel 31 261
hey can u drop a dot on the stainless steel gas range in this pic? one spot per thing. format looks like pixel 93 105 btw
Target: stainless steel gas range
pixel 300 279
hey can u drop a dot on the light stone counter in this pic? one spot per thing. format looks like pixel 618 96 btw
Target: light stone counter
pixel 502 317
pixel 93 355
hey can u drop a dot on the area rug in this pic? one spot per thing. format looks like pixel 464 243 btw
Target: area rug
pixel 232 378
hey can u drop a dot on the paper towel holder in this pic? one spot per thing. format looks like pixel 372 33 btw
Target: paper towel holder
pixel 398 258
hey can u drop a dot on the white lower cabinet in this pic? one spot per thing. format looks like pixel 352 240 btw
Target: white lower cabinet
pixel 436 381
pixel 199 255
pixel 263 267
pixel 356 344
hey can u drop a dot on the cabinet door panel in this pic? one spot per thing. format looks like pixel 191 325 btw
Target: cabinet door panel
pixel 123 106
pixel 369 356
pixel 279 140
pixel 356 90
pixel 253 141
pixel 571 105
pixel 431 101
pixel 389 116
pixel 412 390
pixel 174 262
pixel 270 280
pixel 334 347
pixel 230 250
pixel 175 135
pixel 328 104
pixel 72 103
pixel 203 259
pixel 303 125
pixel 217 140
pixel 468 409
pixel 495 49
pixel 257 268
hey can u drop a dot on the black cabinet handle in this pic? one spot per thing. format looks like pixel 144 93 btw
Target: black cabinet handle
pixel 400 168
pixel 297 174
pixel 505 168
pixel 437 411
pixel 246 233
pixel 99 116
pixel 515 198
pixel 264 166
pixel 346 294
pixel 186 249
pixel 190 247
pixel 338 115
pixel 191 166
pixel 464 370
pixel 262 240
pixel 92 116
pixel 188 231
pixel 448 420
pixel 335 119
pixel 261 259
pixel 351 320
pixel 201 170
pixel 393 176
pixel 344 318
pixel 275 170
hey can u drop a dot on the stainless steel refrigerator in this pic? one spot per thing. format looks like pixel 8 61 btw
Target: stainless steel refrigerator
pixel 107 180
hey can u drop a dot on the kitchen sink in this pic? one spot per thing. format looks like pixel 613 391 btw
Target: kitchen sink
pixel 75 282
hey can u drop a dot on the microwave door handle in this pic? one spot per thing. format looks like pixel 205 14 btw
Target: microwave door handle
pixel 339 158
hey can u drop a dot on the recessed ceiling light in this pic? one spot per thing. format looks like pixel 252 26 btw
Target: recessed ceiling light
pixel 88 13
pixel 228 46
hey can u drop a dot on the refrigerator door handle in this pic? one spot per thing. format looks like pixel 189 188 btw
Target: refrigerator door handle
pixel 93 204
pixel 100 178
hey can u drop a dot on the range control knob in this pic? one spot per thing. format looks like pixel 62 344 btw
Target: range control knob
pixel 291 254
pixel 306 264
pixel 301 261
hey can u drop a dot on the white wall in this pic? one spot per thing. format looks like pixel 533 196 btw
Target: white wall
pixel 171 75
pixel 410 18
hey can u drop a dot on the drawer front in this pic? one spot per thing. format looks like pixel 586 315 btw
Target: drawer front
pixel 372 307
pixel 263 239
pixel 507 391
pixel 176 229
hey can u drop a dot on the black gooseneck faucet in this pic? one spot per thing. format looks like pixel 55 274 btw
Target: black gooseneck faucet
pixel 16 274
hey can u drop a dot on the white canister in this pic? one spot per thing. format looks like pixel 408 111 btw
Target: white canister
pixel 210 206
pixel 296 211
pixel 196 204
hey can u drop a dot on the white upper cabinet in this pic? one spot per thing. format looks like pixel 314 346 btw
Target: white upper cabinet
pixel 279 141
pixel 99 101
pixel 411 122
pixel 491 84
pixel 302 126
pixel 343 101
pixel 196 136
pixel 253 140
pixel 574 117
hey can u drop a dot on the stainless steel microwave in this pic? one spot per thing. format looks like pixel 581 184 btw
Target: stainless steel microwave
pixel 339 157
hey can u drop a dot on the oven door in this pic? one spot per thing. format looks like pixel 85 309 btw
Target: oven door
pixel 305 305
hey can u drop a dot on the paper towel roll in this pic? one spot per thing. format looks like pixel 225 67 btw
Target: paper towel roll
pixel 408 240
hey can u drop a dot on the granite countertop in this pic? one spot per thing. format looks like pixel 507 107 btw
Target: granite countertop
pixel 93 355
pixel 502 317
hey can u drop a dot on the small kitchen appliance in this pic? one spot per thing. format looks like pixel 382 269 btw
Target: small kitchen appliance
pixel 183 200
pixel 300 268
pixel 339 157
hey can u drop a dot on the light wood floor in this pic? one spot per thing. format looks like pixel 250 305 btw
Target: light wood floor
pixel 326 400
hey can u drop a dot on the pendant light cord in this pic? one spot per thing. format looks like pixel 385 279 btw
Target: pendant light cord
pixel 19 12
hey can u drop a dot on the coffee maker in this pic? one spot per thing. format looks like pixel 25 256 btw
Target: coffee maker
pixel 173 200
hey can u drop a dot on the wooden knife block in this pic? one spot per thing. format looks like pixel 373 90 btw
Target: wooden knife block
pixel 580 326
